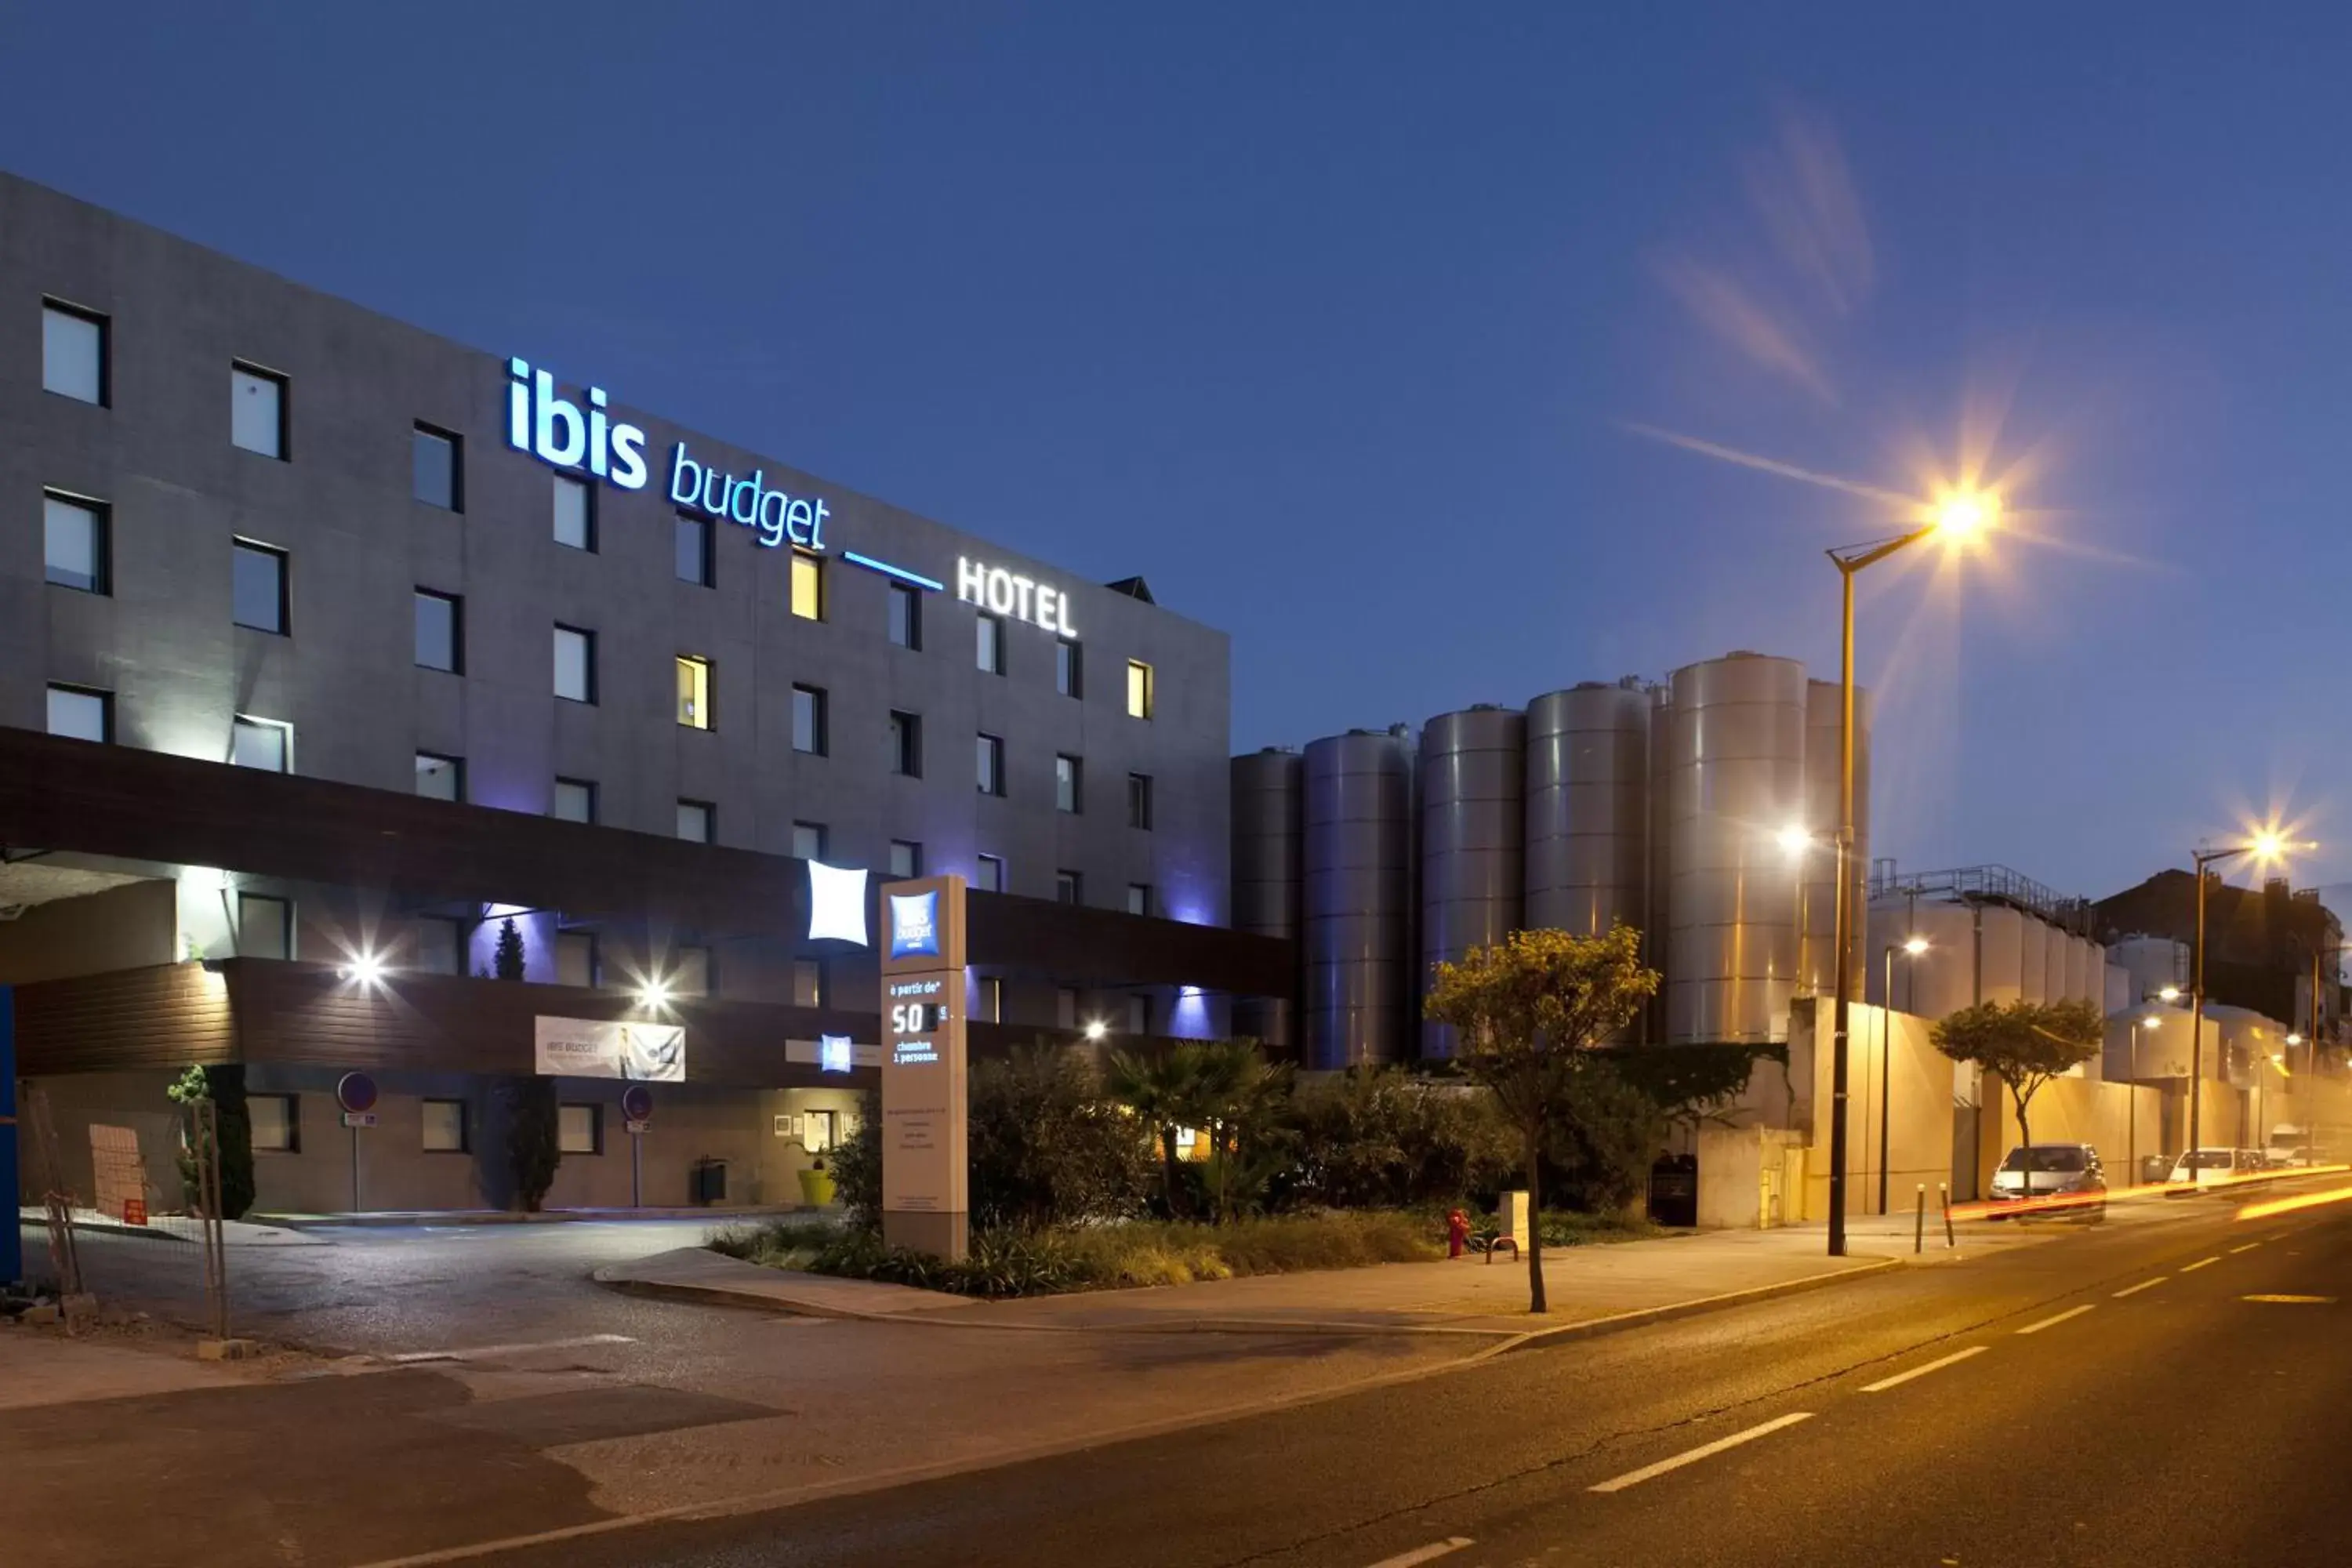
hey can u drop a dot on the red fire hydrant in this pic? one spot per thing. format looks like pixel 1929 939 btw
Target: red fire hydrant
pixel 1457 1233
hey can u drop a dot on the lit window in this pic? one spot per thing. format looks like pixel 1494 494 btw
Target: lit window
pixel 575 959
pixel 694 693
pixel 693 546
pixel 989 653
pixel 989 756
pixel 435 476
pixel 262 743
pixel 73 353
pixel 575 512
pixel 907 745
pixel 689 972
pixel 276 1123
pixel 1138 800
pixel 265 926
pixel 989 874
pixel 808 981
pixel 905 615
pixel 440 621
pixel 75 542
pixel 80 714
pixel 989 1005
pixel 579 1128
pixel 575 664
pixel 1138 897
pixel 445 1127
pixel 257 588
pixel 440 778
pixel 808 841
pixel 1139 689
pixel 695 819
pixel 808 586
pixel 808 719
pixel 440 946
pixel 1069 887
pixel 906 859
pixel 257 419
pixel 575 801
pixel 1067 780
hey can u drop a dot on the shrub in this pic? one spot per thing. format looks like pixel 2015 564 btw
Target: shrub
pixel 855 1163
pixel 1047 1146
pixel 1604 1143
pixel 534 1139
pixel 224 1085
pixel 1379 1137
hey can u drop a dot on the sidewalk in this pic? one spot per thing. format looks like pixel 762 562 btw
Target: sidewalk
pixel 383 1217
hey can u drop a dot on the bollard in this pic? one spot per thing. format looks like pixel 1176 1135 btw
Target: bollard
pixel 1944 1195
pixel 1919 1221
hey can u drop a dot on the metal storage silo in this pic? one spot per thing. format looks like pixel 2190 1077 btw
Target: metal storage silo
pixel 1817 893
pixel 1734 781
pixel 2056 944
pixel 2078 968
pixel 2002 945
pixel 1473 786
pixel 2032 959
pixel 1588 831
pixel 1268 865
pixel 1654 933
pixel 1356 919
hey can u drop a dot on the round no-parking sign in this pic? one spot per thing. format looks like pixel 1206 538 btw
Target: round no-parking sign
pixel 355 1092
pixel 636 1103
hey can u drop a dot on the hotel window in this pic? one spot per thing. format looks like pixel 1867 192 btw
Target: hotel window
pixel 989 1005
pixel 907 745
pixel 1139 689
pixel 1069 887
pixel 73 353
pixel 694 691
pixel 905 615
pixel 440 631
pixel 76 539
pixel 808 841
pixel 906 859
pixel 808 719
pixel 440 778
pixel 692 541
pixel 1069 668
pixel 808 981
pixel 575 664
pixel 82 714
pixel 820 1130
pixel 575 512
pixel 1138 1014
pixel 276 1123
pixel 257 588
pixel 440 946
pixel 263 743
pixel 695 820
pixel 1138 897
pixel 989 757
pixel 257 417
pixel 445 1127
pixel 1138 800
pixel 575 801
pixel 1067 785
pixel 808 586
pixel 265 926
pixel 575 959
pixel 988 876
pixel 988 651
pixel 1066 1008
pixel 435 475
pixel 689 972
pixel 579 1128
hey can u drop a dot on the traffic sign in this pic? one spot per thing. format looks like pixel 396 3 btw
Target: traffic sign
pixel 355 1091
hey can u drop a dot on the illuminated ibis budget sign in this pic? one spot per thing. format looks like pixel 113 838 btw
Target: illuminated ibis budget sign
pixel 926 1161
pixel 1004 593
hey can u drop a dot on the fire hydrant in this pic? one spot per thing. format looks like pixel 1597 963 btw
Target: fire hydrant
pixel 1457 1233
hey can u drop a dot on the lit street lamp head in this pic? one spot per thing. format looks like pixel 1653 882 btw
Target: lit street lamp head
pixel 1916 945
pixel 654 994
pixel 1094 1028
pixel 2170 993
pixel 1966 513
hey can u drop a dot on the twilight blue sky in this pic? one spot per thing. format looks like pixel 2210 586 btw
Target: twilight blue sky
pixel 1343 325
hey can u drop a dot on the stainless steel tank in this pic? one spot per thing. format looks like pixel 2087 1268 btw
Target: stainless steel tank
pixel 2033 959
pixel 1356 915
pixel 1661 871
pixel 1735 777
pixel 1817 893
pixel 1473 785
pixel 1588 832
pixel 1268 869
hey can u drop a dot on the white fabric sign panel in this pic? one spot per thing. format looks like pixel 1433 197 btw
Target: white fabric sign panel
pixel 610 1047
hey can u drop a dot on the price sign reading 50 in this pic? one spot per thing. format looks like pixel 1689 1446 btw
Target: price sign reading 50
pixel 917 1017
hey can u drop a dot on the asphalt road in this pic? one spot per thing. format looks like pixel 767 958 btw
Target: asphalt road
pixel 2112 1397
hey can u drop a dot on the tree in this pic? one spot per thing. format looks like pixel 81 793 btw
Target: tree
pixel 1232 1090
pixel 506 959
pixel 534 1139
pixel 224 1085
pixel 2025 1045
pixel 1528 1012
pixel 1161 1089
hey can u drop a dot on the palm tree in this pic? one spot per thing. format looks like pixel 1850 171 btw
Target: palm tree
pixel 1230 1081
pixel 1163 1090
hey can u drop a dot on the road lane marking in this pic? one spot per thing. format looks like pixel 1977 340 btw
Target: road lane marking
pixel 1703 1451
pixel 2193 1268
pixel 1900 1378
pixel 2054 1322
pixel 482 1352
pixel 2293 1300
pixel 2136 1289
pixel 1429 1554
pixel 2248 1248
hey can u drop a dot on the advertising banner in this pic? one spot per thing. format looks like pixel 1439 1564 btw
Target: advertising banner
pixel 609 1047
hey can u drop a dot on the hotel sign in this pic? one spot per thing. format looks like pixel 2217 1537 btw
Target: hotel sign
pixel 926 1160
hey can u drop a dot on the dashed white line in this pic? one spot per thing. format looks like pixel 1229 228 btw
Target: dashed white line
pixel 2193 1268
pixel 1900 1378
pixel 482 1352
pixel 2054 1322
pixel 1705 1450
pixel 1429 1554
pixel 2248 1248
pixel 2136 1289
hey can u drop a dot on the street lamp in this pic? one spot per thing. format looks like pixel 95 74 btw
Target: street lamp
pixel 1956 516
pixel 2264 847
pixel 1911 946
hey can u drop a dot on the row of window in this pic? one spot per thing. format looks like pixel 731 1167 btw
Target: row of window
pixel 76 363
pixel 277 1121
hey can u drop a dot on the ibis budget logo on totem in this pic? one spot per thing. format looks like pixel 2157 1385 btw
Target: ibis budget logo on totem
pixel 914 924
pixel 563 434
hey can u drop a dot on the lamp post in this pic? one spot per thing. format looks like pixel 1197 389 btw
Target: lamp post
pixel 2265 848
pixel 1957 517
pixel 2150 1022
pixel 1912 946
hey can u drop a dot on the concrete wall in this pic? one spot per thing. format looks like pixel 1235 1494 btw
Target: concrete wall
pixel 130 927
pixel 2119 1120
